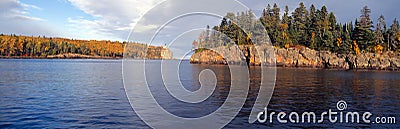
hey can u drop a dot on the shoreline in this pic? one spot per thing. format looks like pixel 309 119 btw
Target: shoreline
pixel 298 57
pixel 60 58
pixel 24 57
pixel 208 64
pixel 312 68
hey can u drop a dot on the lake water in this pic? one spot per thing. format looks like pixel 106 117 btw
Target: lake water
pixel 90 94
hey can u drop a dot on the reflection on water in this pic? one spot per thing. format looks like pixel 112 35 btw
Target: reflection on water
pixel 90 93
pixel 63 94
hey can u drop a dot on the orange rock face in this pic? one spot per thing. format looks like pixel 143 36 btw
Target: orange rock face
pixel 296 57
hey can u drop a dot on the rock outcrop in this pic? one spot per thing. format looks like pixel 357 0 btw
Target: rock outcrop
pixel 296 57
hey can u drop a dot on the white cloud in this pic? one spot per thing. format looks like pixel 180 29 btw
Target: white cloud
pixel 16 10
pixel 110 19
pixel 15 18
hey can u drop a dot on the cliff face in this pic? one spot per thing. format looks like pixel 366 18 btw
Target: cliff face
pixel 298 57
pixel 305 57
pixel 147 52
pixel 235 55
pixel 156 52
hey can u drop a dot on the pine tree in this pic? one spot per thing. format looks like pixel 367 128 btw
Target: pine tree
pixel 345 47
pixel 284 36
pixel 379 40
pixel 363 33
pixel 330 35
pixel 271 20
pixel 286 19
pixel 312 27
pixel 276 23
pixel 394 35
pixel 300 24
pixel 322 34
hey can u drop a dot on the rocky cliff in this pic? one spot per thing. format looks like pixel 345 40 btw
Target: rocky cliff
pixel 135 51
pixel 296 57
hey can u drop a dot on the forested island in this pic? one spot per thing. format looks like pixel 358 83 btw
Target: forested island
pixel 13 46
pixel 308 38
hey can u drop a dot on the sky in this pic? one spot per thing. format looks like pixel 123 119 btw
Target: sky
pixel 115 19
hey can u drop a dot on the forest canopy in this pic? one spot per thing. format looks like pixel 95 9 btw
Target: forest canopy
pixel 13 46
pixel 311 27
pixel 25 46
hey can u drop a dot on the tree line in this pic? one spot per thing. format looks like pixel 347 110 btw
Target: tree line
pixel 25 46
pixel 314 28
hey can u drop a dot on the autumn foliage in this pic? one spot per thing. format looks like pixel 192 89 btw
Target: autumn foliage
pixel 24 46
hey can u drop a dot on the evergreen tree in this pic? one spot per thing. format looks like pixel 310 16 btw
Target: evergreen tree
pixel 363 33
pixel 284 37
pixel 394 35
pixel 312 27
pixel 286 19
pixel 300 15
pixel 322 38
pixel 379 39
pixel 346 42
pixel 276 31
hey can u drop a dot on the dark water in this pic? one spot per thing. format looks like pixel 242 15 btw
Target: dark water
pixel 90 94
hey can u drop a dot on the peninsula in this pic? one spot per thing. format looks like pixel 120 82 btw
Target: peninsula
pixel 305 38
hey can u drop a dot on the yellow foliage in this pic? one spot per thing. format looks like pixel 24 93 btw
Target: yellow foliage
pixel 339 42
pixel 312 39
pixel 398 36
pixel 248 38
pixel 284 26
pixel 285 37
pixel 378 48
pixel 40 46
pixel 356 48
pixel 287 45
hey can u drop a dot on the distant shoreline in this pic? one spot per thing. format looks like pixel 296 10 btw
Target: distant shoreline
pixel 61 56
pixel 22 58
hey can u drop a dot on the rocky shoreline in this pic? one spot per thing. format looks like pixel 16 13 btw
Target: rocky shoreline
pixel 301 57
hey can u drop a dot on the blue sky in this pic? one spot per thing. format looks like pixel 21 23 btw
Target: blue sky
pixel 114 19
pixel 61 17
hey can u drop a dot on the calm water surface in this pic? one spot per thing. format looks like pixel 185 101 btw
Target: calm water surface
pixel 90 94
